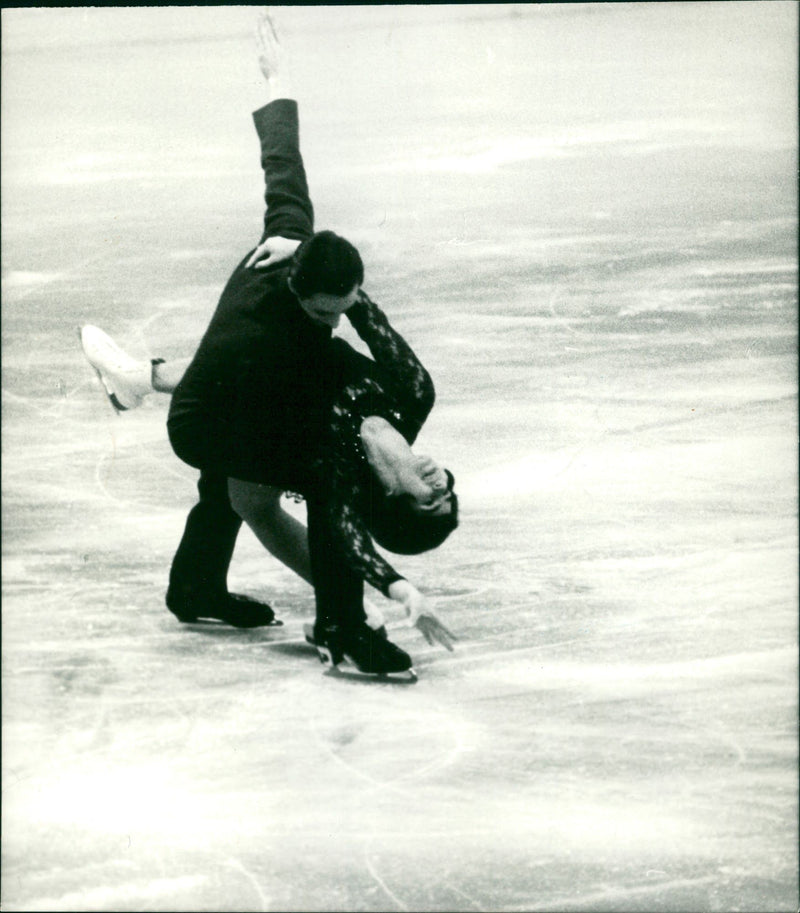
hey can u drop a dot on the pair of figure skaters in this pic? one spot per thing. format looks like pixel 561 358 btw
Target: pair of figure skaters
pixel 273 403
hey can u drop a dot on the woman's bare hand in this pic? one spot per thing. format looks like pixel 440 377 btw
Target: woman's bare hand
pixel 434 631
pixel 272 251
pixel 420 615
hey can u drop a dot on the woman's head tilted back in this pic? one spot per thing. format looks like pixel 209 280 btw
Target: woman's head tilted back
pixel 397 525
pixel 326 264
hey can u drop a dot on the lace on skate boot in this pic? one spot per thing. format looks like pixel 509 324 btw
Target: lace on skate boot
pixel 310 636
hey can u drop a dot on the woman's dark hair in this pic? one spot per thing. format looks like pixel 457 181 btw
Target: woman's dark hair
pixel 326 263
pixel 397 527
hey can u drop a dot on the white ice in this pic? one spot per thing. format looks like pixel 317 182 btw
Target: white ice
pixel 583 218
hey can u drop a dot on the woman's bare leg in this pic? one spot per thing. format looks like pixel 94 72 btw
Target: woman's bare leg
pixel 166 375
pixel 128 380
pixel 281 535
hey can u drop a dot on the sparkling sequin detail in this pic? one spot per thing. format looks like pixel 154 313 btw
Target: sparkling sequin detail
pixel 404 397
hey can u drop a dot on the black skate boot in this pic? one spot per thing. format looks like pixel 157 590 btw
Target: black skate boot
pixel 308 631
pixel 239 611
pixel 370 652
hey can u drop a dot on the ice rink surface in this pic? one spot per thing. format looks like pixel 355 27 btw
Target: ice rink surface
pixel 584 219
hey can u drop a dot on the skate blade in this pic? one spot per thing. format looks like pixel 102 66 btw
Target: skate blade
pixel 116 405
pixel 220 622
pixel 275 623
pixel 347 669
pixel 351 673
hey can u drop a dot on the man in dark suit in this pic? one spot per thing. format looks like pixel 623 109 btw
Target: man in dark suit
pixel 254 403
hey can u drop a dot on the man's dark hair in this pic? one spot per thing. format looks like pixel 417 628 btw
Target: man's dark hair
pixel 397 527
pixel 326 263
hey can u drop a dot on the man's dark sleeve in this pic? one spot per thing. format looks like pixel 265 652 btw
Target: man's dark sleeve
pixel 289 210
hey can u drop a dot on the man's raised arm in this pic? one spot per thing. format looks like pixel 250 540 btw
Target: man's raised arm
pixel 289 212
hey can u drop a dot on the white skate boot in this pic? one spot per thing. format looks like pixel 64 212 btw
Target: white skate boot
pixel 125 380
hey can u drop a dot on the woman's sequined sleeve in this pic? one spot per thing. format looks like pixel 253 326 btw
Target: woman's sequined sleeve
pixel 411 386
pixel 405 402
pixel 349 528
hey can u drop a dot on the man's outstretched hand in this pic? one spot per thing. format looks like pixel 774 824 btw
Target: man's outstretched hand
pixel 271 56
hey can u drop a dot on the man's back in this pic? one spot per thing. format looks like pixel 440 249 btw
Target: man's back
pixel 261 378
pixel 258 381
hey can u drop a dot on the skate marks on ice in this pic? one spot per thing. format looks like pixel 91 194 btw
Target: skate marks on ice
pixel 554 637
pixel 617 727
pixel 396 754
pixel 424 743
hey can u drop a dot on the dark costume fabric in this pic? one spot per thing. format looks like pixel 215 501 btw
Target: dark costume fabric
pixel 271 398
pixel 252 401
pixel 395 387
